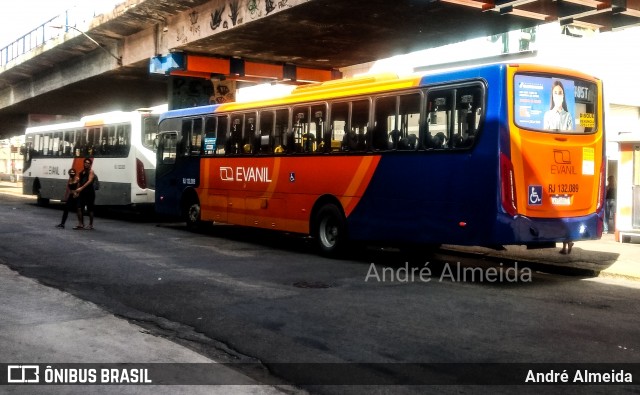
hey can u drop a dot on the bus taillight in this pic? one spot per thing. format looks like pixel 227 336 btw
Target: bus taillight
pixel 140 177
pixel 507 186
pixel 601 188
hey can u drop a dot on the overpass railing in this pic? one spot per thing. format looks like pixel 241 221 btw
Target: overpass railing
pixel 44 33
pixel 32 40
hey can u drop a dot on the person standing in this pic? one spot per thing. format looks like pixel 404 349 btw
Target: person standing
pixel 86 195
pixel 610 204
pixel 71 201
pixel 566 247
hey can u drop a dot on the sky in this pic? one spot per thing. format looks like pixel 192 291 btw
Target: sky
pixel 20 17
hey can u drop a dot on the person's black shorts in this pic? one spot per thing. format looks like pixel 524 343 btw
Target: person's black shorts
pixel 87 199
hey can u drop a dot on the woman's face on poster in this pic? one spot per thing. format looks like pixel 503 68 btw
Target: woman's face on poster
pixel 558 96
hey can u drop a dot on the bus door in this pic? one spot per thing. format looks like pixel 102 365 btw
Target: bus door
pixel 166 176
pixel 178 167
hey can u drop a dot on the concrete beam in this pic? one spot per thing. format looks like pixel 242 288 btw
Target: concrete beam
pixel 58 78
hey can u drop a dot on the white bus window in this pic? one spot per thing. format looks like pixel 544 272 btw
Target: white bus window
pixel 122 140
pixel 55 143
pixel 150 131
pixel 93 141
pixel 46 145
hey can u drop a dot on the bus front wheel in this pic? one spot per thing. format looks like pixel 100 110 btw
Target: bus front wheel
pixel 192 213
pixel 330 230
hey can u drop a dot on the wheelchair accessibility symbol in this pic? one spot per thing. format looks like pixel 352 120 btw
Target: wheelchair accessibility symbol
pixel 535 194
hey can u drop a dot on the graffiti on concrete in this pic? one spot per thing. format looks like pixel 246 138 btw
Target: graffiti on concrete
pixel 235 12
pixel 252 6
pixel 180 35
pixel 269 6
pixel 216 17
pixel 194 28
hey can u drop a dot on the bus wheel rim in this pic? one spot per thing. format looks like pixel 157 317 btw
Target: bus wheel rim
pixel 328 232
pixel 194 212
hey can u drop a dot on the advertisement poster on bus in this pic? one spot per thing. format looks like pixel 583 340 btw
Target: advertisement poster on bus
pixel 544 103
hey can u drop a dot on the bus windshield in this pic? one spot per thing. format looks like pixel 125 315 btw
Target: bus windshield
pixel 150 131
pixel 555 104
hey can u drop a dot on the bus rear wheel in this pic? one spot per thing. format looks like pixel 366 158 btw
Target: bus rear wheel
pixel 330 230
pixel 42 201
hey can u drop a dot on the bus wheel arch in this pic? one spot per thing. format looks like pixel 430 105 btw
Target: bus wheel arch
pixel 328 226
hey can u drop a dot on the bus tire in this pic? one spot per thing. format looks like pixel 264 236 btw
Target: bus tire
pixel 192 213
pixel 42 201
pixel 35 190
pixel 330 231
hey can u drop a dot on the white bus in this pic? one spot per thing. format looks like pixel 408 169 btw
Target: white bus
pixel 121 144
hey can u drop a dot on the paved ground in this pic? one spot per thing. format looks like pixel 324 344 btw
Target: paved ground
pixel 44 325
pixel 604 257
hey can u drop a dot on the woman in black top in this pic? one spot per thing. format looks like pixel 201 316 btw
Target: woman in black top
pixel 86 195
pixel 71 201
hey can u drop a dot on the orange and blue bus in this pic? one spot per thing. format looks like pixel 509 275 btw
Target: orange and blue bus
pixel 121 144
pixel 467 157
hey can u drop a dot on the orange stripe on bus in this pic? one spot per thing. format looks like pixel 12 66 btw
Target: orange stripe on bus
pixel 358 183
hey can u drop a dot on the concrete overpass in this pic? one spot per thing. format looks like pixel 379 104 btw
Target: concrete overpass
pixel 247 40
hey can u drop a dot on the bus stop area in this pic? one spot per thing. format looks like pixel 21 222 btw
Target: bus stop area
pixel 42 321
pixel 604 257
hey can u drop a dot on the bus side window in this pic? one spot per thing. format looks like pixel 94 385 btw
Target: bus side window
pixel 93 141
pixel 67 137
pixel 409 121
pixel 313 138
pixel 43 147
pixel 249 136
pixel 301 134
pixel 281 126
pixel 82 142
pixel 122 140
pixel 439 119
pixel 467 116
pixel 167 148
pixel 209 142
pixel 360 124
pixel 265 137
pixel 385 132
pixel 338 124
pixel 196 138
pixel 221 135
pixel 234 145
pixel 184 146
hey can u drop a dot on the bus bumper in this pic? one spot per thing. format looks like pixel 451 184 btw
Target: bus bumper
pixel 526 230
